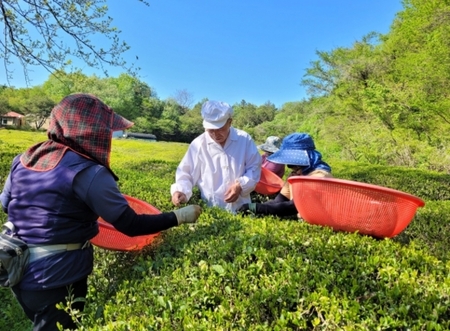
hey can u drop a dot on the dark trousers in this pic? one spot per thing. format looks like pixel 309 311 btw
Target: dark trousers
pixel 40 306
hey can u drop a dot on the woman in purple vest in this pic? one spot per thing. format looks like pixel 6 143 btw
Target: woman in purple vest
pixel 54 194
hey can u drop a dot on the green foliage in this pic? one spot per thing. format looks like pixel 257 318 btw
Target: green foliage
pixel 257 277
pixel 285 121
pixel 418 76
pixel 38 110
pixel 142 125
pixel 12 316
pixel 387 96
pixel 127 95
pixel 430 229
pixel 191 124
pixel 233 272
pixel 247 116
pixel 425 184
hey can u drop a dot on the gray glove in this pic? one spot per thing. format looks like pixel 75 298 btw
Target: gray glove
pixel 188 214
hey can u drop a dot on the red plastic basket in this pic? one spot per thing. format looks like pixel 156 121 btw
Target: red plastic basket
pixel 353 206
pixel 269 183
pixel 112 239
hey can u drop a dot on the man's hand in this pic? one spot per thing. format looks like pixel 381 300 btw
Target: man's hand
pixel 178 198
pixel 233 192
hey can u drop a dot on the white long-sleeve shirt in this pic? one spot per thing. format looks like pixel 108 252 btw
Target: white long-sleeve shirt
pixel 213 169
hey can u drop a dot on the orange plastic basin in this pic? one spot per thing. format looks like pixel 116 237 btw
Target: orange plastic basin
pixel 269 183
pixel 109 238
pixel 353 206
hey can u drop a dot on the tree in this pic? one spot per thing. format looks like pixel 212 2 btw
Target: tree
pixel 61 84
pixel 4 105
pixel 38 109
pixel 191 124
pixel 266 112
pixel 419 76
pixel 172 110
pixel 51 33
pixel 126 94
pixel 142 125
pixel 244 115
pixel 184 98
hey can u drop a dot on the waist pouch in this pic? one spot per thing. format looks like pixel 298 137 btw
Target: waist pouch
pixel 14 257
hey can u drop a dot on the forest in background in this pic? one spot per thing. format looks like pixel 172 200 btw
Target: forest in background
pixel 384 100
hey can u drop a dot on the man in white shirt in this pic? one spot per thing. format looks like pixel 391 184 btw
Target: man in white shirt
pixel 223 162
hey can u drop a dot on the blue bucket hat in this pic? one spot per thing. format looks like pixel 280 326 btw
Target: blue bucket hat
pixel 293 150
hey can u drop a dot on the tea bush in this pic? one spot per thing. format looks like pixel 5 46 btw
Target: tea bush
pixel 427 185
pixel 232 272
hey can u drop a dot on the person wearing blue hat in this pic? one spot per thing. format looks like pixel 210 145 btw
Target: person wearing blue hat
pixel 299 153
pixel 223 162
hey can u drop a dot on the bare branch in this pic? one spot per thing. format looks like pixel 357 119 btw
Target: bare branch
pixel 51 34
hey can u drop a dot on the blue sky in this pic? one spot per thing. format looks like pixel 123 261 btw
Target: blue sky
pixel 235 50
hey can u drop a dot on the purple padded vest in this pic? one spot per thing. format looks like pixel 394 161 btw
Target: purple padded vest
pixel 43 206
pixel 45 210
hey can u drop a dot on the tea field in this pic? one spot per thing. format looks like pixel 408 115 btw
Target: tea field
pixel 233 272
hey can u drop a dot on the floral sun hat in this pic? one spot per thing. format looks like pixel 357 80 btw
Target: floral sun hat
pixel 271 145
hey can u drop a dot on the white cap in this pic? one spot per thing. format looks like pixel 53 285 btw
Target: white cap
pixel 215 114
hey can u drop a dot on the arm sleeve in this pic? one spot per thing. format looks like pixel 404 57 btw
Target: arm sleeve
pixel 5 196
pixel 252 168
pixel 283 208
pixel 98 189
pixel 186 176
pixel 133 224
pixel 279 198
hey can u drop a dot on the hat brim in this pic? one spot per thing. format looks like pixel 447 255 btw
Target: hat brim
pixel 214 125
pixel 298 157
pixel 120 123
pixel 268 148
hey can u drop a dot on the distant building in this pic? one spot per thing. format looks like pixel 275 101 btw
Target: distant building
pixel 118 134
pixel 12 119
pixel 143 136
